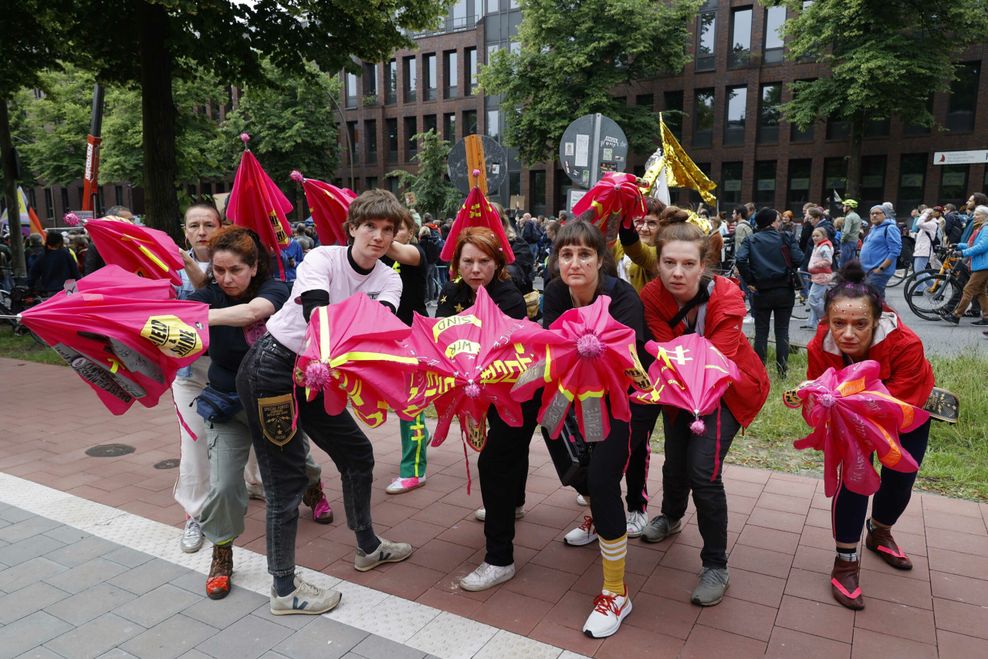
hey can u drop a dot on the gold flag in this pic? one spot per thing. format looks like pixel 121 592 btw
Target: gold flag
pixel 681 171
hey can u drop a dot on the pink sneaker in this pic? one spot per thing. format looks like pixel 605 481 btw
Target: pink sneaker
pixel 401 485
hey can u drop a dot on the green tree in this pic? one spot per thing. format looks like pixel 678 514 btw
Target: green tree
pixel 153 43
pixel 885 59
pixel 574 55
pixel 430 184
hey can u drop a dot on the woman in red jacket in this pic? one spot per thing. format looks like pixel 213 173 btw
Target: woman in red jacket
pixel 857 327
pixel 686 300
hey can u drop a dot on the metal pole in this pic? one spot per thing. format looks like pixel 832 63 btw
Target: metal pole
pixel 595 150
pixel 346 132
pixel 90 192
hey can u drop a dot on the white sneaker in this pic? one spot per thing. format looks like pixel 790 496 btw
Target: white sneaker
pixel 192 537
pixel 306 599
pixel 256 492
pixel 748 320
pixel 401 485
pixel 582 535
pixel 581 500
pixel 481 513
pixel 636 524
pixel 608 612
pixel 487 576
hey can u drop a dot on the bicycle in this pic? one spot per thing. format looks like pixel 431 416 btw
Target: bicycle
pixel 930 294
pixel 12 303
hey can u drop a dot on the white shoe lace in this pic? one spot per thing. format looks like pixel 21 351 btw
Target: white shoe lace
pixel 192 529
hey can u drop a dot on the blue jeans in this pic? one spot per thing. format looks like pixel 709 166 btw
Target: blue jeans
pixel 920 263
pixel 848 252
pixel 880 280
pixel 265 385
pixel 816 301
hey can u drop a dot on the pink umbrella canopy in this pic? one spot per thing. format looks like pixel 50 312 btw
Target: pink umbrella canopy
pixel 852 415
pixel 615 194
pixel 126 336
pixel 590 360
pixel 146 252
pixel 354 352
pixel 329 205
pixel 469 362
pixel 476 212
pixel 257 203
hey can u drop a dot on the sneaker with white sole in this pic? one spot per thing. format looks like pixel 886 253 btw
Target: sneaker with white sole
pixel 636 523
pixel 401 485
pixel 609 610
pixel 661 528
pixel 192 536
pixel 256 492
pixel 582 535
pixel 306 599
pixel 581 500
pixel 711 586
pixel 481 513
pixel 387 552
pixel 487 576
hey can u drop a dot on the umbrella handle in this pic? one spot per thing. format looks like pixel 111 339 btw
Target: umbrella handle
pixel 16 317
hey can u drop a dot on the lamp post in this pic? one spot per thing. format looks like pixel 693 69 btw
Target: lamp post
pixel 346 132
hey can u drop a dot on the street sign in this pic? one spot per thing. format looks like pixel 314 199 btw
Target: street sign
pixel 592 146
pixel 494 156
pixel 960 157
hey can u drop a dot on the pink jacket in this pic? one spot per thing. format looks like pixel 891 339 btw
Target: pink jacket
pixel 820 268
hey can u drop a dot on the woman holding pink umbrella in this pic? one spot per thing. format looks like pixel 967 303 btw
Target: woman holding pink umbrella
pixel 684 299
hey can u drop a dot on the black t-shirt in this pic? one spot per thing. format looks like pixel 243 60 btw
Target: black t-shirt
pixel 413 285
pixel 228 345
pixel 457 296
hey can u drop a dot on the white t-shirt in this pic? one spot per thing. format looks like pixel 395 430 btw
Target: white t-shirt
pixel 329 269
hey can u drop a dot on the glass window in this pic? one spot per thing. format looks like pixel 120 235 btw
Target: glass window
pixel 764 182
pixel 469 122
pixel 953 184
pixel 411 128
pixel 476 11
pixel 491 49
pixel 645 100
pixel 470 73
pixel 912 179
pixel 493 123
pixel 877 127
pixel 775 18
pixel 429 83
pixel 706 24
pixel 409 69
pixel 964 97
pixel 354 135
pixel 460 14
pixel 910 129
pixel 536 190
pixel 371 182
pixel 370 79
pixel 451 74
pixel 493 6
pixel 799 185
pixel 835 178
pixel 429 122
pixel 392 128
pixel 370 131
pixel 740 37
pixel 730 183
pixel 351 90
pixel 768 112
pixel 672 102
pixel 838 129
pixel 872 180
pixel 737 100
pixel 797 135
pixel 703 117
pixel 449 127
pixel 391 82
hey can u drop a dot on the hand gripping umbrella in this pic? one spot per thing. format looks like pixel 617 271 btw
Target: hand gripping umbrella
pixel 124 335
pixel 329 205
pixel 590 360
pixel 353 351
pixel 615 194
pixel 690 373
pixel 852 415
pixel 476 212
pixel 146 252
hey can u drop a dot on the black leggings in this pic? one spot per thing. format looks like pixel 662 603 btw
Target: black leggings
pixel 849 509
pixel 643 418
pixel 608 461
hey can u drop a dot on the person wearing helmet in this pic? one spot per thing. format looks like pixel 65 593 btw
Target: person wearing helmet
pixel 851 232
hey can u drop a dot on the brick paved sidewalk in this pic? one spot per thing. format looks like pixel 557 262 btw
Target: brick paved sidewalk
pixel 779 537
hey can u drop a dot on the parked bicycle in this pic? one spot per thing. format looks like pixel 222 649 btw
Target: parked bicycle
pixel 12 303
pixel 931 293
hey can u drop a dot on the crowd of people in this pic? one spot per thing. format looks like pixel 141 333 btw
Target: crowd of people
pixel 668 274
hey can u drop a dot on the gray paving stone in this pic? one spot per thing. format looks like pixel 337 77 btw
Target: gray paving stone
pixel 31 526
pixel 170 638
pixel 128 557
pixel 157 605
pixel 247 638
pixel 192 581
pixel 377 647
pixel 270 654
pixel 231 608
pixel 79 578
pixel 13 514
pixel 82 551
pixel 14 578
pixel 27 600
pixel 28 548
pixel 29 632
pixel 117 653
pixel 323 639
pixel 67 534
pixel 148 577
pixel 40 653
pixel 95 637
pixel 91 603
pixel 195 654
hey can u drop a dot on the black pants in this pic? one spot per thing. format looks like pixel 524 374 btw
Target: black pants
pixel 265 385
pixel 850 509
pixel 777 301
pixel 643 418
pixel 503 467
pixel 694 463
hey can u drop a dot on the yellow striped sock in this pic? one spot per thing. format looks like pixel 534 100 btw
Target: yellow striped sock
pixel 613 553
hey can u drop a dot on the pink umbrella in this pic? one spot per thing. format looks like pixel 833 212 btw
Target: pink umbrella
pixel 329 205
pixel 124 335
pixel 142 250
pixel 615 194
pixel 476 212
pixel 852 415
pixel 590 360
pixel 353 352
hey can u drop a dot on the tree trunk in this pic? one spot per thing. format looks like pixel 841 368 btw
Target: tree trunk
pixel 10 193
pixel 159 117
pixel 854 159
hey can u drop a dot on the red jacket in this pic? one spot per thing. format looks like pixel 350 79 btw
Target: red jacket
pixel 722 327
pixel 905 372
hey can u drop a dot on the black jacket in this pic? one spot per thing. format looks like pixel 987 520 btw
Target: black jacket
pixel 761 262
pixel 457 296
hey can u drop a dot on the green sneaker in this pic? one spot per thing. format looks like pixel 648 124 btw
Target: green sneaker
pixel 661 528
pixel 711 587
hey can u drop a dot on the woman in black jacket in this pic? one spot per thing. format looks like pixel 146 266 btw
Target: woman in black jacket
pixel 766 261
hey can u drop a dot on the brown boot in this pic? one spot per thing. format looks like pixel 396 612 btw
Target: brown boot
pixel 880 541
pixel 220 571
pixel 844 584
